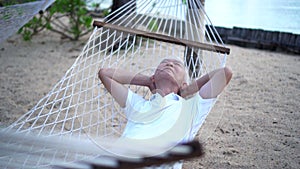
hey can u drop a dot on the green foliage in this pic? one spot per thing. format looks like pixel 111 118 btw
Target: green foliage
pixel 6 17
pixel 106 12
pixel 153 26
pixel 96 6
pixel 71 11
pixel 32 27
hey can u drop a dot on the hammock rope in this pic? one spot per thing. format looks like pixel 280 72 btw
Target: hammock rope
pixel 79 106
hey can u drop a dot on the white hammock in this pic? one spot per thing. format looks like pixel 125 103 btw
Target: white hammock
pixel 78 106
pixel 13 17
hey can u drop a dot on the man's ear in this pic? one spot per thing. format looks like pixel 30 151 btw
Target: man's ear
pixel 152 78
pixel 152 84
pixel 184 85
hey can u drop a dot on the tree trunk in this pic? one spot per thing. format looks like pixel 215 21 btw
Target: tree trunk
pixel 113 18
pixel 118 4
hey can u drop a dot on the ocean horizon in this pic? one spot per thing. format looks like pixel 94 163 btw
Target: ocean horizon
pixel 269 15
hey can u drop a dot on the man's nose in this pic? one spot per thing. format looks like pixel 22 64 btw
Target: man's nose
pixel 170 64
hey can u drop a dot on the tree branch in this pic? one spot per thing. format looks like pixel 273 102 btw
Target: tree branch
pixel 62 33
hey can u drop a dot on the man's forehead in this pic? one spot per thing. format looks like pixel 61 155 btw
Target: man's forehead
pixel 172 60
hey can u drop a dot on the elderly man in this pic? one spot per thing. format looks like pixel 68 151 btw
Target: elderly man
pixel 177 108
pixel 171 92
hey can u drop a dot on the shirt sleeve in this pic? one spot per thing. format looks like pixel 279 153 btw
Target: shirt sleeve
pixel 202 109
pixel 132 100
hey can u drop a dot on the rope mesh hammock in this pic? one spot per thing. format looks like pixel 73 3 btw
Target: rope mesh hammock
pixel 136 37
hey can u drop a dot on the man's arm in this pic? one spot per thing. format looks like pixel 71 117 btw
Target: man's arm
pixel 209 85
pixel 114 80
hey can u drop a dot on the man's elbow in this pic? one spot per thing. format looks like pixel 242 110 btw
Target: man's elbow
pixel 228 74
pixel 102 72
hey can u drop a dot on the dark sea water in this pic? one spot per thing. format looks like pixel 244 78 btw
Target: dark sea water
pixel 273 15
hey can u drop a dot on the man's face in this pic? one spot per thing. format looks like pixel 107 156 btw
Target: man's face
pixel 171 69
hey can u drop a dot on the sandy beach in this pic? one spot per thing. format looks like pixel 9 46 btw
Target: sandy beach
pixel 255 123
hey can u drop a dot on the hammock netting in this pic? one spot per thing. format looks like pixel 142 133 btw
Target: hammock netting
pixel 13 17
pixel 79 106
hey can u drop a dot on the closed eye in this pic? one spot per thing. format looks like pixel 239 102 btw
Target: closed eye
pixel 178 64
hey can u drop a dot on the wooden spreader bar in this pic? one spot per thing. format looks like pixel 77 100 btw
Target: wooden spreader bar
pixel 164 38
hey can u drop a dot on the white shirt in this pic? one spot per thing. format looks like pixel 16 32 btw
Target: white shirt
pixel 166 119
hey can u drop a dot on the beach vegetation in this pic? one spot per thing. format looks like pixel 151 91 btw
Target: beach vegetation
pixel 68 18
pixel 153 26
